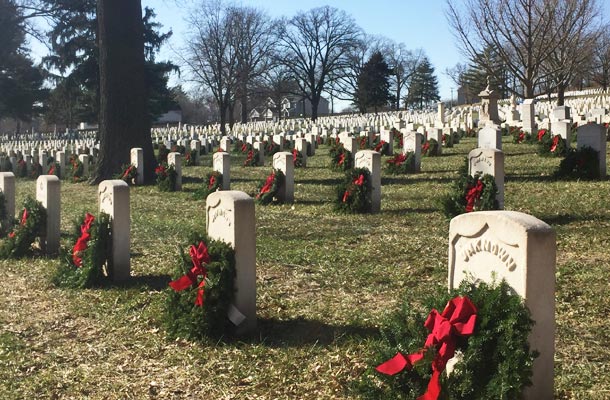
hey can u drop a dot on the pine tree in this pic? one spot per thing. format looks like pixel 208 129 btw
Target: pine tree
pixel 20 80
pixel 424 86
pixel 373 84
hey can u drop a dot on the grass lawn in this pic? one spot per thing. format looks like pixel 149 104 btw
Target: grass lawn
pixel 324 283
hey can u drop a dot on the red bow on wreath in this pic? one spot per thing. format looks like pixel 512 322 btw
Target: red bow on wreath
pixel 341 159
pixel 425 147
pixel 555 143
pixel 267 186
pixel 24 218
pixel 199 257
pixel 473 194
pixel 359 181
pixel 212 182
pixel 81 242
pixel 458 319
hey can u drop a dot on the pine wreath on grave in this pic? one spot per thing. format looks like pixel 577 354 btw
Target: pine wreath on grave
pixel 470 193
pixel 551 145
pixel 32 223
pixel 267 191
pixel 190 157
pixel 354 193
pixel 340 158
pixel 54 169
pixel 252 158
pixel 166 177
pixel 128 174
pixel 401 164
pixel 22 168
pixel 199 297
pixel 36 170
pixel 488 338
pixel 430 148
pixel 271 148
pixel 382 147
pixel 519 136
pixel 398 138
pixel 86 263
pixel 297 158
pixel 77 169
pixel 580 163
pixel 211 184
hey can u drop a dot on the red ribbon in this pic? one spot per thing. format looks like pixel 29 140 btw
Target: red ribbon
pixel 24 218
pixel 341 159
pixel 555 143
pixel 380 145
pixel 345 196
pixel 541 133
pixel 473 195
pixel 160 170
pixel 249 157
pixel 267 186
pixel 52 170
pixel 128 171
pixel 458 319
pixel 199 257
pixel 398 160
pixel 521 137
pixel 295 154
pixel 81 242
pixel 359 181
pixel 212 182
pixel 425 147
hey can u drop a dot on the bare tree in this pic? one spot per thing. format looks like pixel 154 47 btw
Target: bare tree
pixel 314 45
pixel 522 32
pixel 404 63
pixel 252 35
pixel 577 33
pixel 601 59
pixel 211 57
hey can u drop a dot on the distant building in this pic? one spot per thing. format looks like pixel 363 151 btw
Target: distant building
pixel 290 107
pixel 170 117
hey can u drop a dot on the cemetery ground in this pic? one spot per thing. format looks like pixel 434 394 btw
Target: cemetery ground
pixel 325 281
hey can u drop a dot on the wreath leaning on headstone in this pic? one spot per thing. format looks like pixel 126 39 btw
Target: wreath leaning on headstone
pixel 340 158
pixel 86 263
pixel 470 193
pixel 430 148
pixel 401 163
pixel 200 296
pixel 211 184
pixel 582 163
pixel 29 227
pixel 267 191
pixel 551 145
pixel 490 359
pixel 129 173
pixel 166 177
pixel 354 193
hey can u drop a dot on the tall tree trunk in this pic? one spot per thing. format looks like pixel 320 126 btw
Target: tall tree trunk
pixel 561 92
pixel 222 110
pixel 124 121
pixel 314 107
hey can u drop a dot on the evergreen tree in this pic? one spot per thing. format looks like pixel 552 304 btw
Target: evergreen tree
pixel 20 80
pixel 373 84
pixel 424 86
pixel 75 55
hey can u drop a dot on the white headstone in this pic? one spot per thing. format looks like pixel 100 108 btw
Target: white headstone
pixel 113 197
pixel 371 160
pixel 49 194
pixel 7 186
pixel 230 218
pixel 490 137
pixel 175 159
pixel 488 161
pixel 283 161
pixel 221 162
pixel 137 159
pixel 411 142
pixel 594 136
pixel 510 245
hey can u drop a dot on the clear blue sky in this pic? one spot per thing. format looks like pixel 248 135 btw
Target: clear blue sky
pixel 416 23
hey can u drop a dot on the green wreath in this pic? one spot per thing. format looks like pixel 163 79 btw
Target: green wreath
pixel 340 158
pixel 252 158
pixel 86 263
pixel 354 193
pixel 267 191
pixel 297 158
pixel 401 164
pixel 128 174
pixel 77 169
pixel 520 137
pixel 552 145
pixel 430 148
pixel 31 225
pixel 382 147
pixel 496 360
pixel 271 148
pixel 54 169
pixel 36 170
pixel 22 168
pixel 183 317
pixel 470 193
pixel 582 163
pixel 166 177
pixel 190 158
pixel 211 184
pixel 162 154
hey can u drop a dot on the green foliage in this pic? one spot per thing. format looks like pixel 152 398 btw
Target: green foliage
pixel 162 153
pixel 128 173
pixel 271 148
pixel 19 242
pixel 190 158
pixel 6 165
pixel 447 140
pixel 424 86
pixel 36 170
pixel 297 158
pixel 212 183
pixel 373 84
pixel 267 191
pixel 54 169
pixel 579 164
pixel 354 193
pixel 166 177
pixel 497 361
pixel 252 158
pixel 22 168
pixel 455 202
pixel 401 164
pixel 96 268
pixel 519 136
pixel 551 145
pixel 340 158
pixel 430 148
pixel 77 169
pixel 182 318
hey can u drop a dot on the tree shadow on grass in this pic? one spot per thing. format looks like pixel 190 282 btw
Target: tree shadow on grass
pixel 403 211
pixel 191 179
pixel 301 331
pixel 406 181
pixel 565 219
pixel 324 182
pixel 531 178
pixel 151 282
